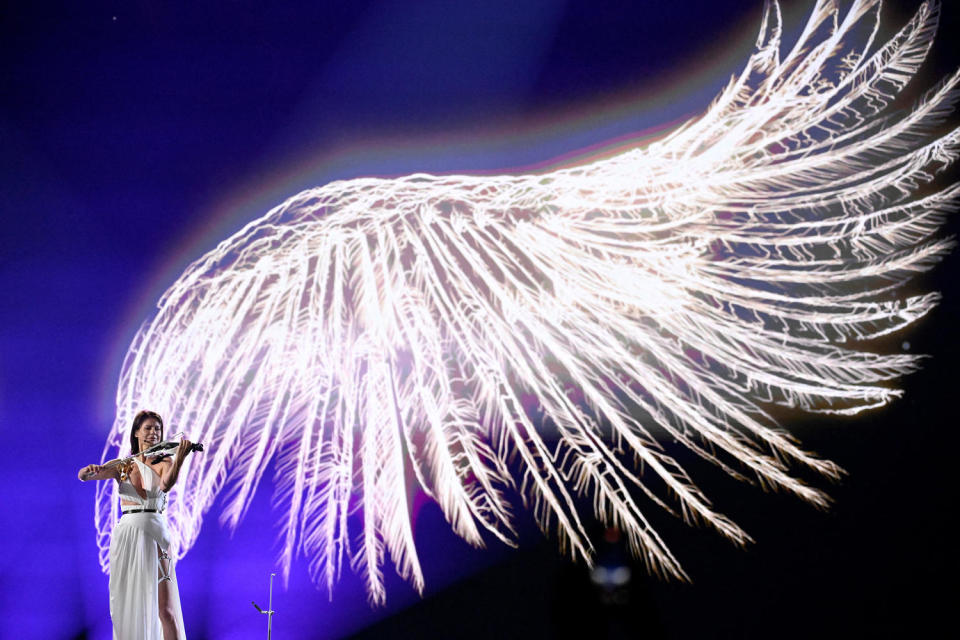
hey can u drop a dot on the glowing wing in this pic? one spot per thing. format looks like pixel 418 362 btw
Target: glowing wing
pixel 538 333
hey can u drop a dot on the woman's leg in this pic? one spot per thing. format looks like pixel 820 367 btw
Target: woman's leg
pixel 168 615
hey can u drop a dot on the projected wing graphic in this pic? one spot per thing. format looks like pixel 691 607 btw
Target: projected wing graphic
pixel 372 328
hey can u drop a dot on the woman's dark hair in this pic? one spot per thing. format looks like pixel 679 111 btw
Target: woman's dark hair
pixel 137 421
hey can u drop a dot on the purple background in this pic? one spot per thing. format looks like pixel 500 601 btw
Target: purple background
pixel 137 134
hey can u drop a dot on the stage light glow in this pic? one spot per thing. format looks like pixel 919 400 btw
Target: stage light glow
pixel 371 325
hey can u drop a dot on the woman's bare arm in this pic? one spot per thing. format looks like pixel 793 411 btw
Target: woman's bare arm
pixel 170 475
pixel 99 472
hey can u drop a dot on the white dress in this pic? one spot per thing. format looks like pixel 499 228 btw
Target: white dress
pixel 134 565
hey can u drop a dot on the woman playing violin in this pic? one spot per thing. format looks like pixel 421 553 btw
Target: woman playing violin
pixel 144 599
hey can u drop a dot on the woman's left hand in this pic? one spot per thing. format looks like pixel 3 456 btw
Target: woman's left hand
pixel 185 447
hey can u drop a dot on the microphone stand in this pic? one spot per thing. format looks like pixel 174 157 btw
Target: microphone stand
pixel 269 612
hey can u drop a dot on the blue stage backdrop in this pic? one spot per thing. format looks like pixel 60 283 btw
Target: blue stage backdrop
pixel 136 135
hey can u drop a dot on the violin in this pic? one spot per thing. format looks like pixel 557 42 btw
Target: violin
pixel 158 451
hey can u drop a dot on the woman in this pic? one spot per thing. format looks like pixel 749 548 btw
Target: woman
pixel 144 600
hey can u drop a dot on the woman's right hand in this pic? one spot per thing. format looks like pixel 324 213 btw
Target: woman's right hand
pixel 89 471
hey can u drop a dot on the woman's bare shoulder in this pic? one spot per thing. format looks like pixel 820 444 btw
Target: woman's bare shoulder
pixel 163 463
